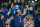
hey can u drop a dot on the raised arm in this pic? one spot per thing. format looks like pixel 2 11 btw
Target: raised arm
pixel 26 12
pixel 12 12
pixel 33 10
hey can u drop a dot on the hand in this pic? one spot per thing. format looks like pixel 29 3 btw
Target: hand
pixel 27 6
pixel 33 3
pixel 8 13
pixel 7 22
pixel 12 5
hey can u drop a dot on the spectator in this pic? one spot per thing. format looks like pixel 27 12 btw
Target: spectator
pixel 1 21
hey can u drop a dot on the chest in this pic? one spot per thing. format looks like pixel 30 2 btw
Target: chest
pixel 18 19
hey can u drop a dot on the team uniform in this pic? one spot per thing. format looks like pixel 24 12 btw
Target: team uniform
pixel 36 19
pixel 17 21
pixel 1 23
pixel 4 10
pixel 11 10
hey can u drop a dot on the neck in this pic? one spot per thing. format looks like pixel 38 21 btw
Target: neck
pixel 36 13
pixel 19 15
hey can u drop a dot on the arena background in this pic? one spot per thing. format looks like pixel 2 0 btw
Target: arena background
pixel 28 21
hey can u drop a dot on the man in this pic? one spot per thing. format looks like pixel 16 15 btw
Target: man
pixel 1 21
pixel 36 17
pixel 17 21
pixel 1 17
pixel 12 9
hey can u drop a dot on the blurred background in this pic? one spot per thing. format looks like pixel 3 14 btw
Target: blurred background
pixel 20 5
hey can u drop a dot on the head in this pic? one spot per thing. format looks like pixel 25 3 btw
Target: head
pixel 36 11
pixel 2 17
pixel 19 13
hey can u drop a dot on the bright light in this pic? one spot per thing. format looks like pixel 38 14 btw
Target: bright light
pixel 32 1
pixel 35 0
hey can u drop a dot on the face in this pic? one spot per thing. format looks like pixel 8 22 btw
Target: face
pixel 36 12
pixel 19 13
pixel 2 17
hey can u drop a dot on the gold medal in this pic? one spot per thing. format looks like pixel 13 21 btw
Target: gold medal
pixel 20 20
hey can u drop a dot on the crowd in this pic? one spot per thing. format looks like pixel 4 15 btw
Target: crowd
pixel 7 15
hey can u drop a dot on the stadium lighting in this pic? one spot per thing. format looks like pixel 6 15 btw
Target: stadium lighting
pixel 35 0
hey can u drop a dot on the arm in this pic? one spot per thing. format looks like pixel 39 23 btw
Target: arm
pixel 33 11
pixel 10 11
pixel 25 14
